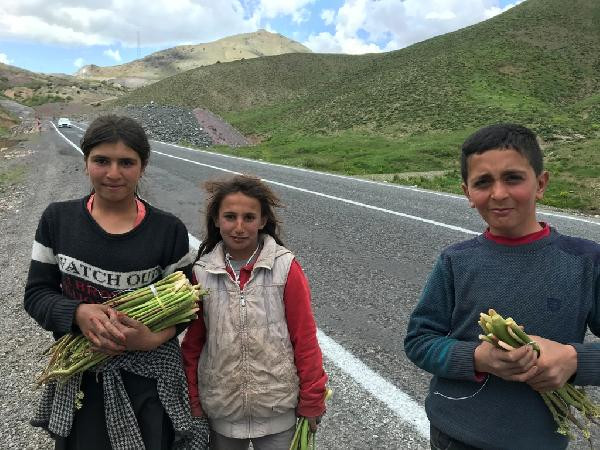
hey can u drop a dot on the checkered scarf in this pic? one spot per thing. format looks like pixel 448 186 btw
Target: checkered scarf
pixel 57 406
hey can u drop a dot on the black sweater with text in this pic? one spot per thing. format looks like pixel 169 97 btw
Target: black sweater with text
pixel 74 260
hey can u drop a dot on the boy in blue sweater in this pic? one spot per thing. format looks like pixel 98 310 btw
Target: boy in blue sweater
pixel 481 396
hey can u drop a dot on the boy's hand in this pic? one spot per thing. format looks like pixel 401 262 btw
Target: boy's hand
pixel 515 365
pixel 556 364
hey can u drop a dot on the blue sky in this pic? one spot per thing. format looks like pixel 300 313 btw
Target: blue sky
pixel 61 36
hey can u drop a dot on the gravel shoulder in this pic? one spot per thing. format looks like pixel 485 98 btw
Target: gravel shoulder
pixel 46 178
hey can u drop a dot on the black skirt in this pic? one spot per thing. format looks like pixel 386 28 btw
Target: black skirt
pixel 88 431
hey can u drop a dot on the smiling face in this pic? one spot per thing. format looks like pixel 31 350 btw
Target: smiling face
pixel 114 170
pixel 504 188
pixel 239 222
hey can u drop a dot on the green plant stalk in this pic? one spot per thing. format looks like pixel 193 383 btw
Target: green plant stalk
pixel 176 310
pixel 158 302
pixel 139 301
pixel 169 322
pixel 162 304
pixel 159 285
pixel 151 305
pixel 178 299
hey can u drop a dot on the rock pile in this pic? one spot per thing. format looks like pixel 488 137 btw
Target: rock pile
pixel 171 124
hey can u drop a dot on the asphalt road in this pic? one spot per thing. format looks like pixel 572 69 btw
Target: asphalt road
pixel 367 249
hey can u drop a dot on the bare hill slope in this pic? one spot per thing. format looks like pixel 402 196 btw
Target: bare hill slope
pixel 178 59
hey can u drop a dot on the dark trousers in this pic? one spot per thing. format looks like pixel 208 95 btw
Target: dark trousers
pixel 89 432
pixel 441 441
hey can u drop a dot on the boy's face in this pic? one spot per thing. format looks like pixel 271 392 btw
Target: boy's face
pixel 503 187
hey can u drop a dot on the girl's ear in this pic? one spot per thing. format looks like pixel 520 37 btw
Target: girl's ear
pixel 263 222
pixel 465 189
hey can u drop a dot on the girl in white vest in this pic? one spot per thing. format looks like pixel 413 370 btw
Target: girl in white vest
pixel 252 358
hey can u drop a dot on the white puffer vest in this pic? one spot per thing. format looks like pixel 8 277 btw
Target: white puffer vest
pixel 246 368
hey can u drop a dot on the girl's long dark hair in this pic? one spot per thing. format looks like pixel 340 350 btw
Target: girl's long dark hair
pixel 248 185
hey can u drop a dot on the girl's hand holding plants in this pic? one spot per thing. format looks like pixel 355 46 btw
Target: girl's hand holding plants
pixel 97 323
pixel 519 364
pixel 313 423
pixel 556 364
pixel 139 337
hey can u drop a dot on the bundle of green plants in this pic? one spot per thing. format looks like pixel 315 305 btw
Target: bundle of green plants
pixel 506 334
pixel 304 438
pixel 168 302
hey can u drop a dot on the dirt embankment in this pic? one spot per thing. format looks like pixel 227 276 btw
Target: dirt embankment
pixel 221 132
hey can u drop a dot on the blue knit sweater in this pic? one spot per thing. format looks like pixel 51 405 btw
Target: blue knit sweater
pixel 552 286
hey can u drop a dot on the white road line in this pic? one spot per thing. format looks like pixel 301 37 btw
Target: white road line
pixel 384 391
pixel 66 138
pixel 332 197
pixel 399 402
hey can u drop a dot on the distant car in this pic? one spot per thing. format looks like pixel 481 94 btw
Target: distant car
pixel 64 122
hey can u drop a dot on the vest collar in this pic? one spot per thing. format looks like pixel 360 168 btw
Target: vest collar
pixel 214 261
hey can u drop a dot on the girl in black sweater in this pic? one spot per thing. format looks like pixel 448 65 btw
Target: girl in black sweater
pixel 85 252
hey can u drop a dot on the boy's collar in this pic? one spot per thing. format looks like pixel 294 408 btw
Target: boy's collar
pixel 527 239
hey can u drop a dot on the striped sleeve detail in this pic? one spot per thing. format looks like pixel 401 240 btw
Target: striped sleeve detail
pixel 185 261
pixel 43 254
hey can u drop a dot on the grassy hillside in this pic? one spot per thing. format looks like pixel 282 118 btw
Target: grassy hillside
pixel 408 110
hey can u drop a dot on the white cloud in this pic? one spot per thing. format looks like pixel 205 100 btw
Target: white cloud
pixel 272 8
pixel 79 62
pixel 328 15
pixel 363 26
pixel 113 54
pixel 98 22
pixel 301 15
pixel 4 59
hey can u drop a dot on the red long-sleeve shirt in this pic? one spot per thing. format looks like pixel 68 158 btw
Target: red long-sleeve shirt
pixel 302 330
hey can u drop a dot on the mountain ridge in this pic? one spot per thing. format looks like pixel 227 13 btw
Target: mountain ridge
pixel 171 61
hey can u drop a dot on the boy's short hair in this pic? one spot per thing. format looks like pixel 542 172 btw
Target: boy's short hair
pixel 503 136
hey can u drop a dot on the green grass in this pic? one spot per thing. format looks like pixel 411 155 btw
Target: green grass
pixel 11 176
pixel 37 100
pixel 356 153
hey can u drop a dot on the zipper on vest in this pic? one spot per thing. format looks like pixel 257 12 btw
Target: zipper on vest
pixel 242 299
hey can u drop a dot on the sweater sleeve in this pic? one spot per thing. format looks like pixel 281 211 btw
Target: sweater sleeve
pixel 191 349
pixel 182 256
pixel 43 295
pixel 303 335
pixel 427 342
pixel 588 353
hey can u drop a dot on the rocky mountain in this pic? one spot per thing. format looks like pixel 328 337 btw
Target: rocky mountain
pixel 32 89
pixel 165 63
